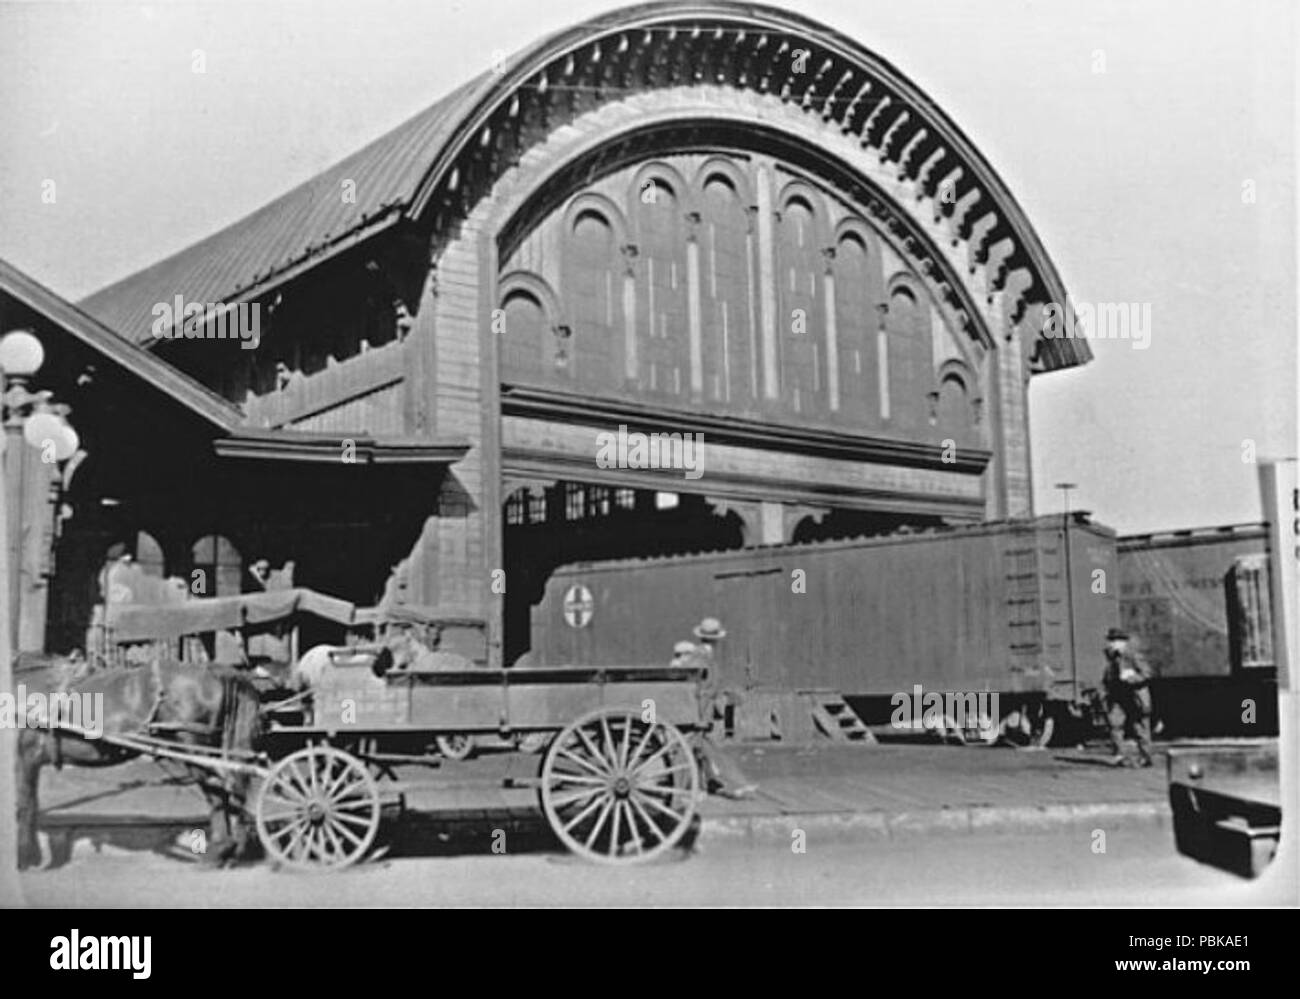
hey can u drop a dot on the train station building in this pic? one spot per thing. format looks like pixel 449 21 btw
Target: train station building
pixel 717 220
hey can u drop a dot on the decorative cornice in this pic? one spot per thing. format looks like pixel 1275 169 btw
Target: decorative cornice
pixel 823 443
pixel 287 445
pixel 662 45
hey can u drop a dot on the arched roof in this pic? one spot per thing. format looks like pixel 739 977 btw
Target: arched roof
pixel 406 174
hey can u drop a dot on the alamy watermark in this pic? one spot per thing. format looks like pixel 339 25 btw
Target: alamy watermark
pixel 40 710
pixel 968 710
pixel 181 320
pixel 1099 321
pixel 684 452
pixel 102 953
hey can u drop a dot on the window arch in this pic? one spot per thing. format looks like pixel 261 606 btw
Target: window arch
pixel 801 320
pixel 221 566
pixel 660 211
pixel 529 316
pixel 729 328
pixel 911 353
pixel 592 286
pixel 857 293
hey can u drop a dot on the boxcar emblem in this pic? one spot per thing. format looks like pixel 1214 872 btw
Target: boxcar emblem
pixel 578 606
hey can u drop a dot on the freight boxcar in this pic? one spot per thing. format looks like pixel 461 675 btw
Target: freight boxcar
pixel 1197 602
pixel 1007 607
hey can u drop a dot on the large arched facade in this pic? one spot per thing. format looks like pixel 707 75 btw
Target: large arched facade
pixel 706 219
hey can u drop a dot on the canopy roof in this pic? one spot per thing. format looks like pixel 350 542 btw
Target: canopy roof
pixel 147 622
pixel 399 176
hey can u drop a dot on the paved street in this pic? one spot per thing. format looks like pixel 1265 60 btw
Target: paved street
pixel 888 825
pixel 1139 867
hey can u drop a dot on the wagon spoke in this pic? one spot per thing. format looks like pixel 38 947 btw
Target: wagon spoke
pixel 577 796
pixel 568 778
pixel 358 791
pixel 314 844
pixel 614 828
pixel 582 814
pixel 611 753
pixel 338 827
pixel 299 848
pixel 657 753
pixel 345 776
pixel 679 768
pixel 636 754
pixel 627 743
pixel 600 765
pixel 600 823
pixel 656 803
pixel 631 827
pixel 274 798
pixel 336 846
pixel 288 789
pixel 635 802
pixel 584 763
pixel 356 818
pixel 293 826
pixel 643 773
pixel 293 778
pixel 285 815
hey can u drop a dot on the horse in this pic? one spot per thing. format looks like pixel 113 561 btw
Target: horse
pixel 196 705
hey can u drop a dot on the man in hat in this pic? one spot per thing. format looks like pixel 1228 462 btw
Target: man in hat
pixel 1128 700
pixel 721 774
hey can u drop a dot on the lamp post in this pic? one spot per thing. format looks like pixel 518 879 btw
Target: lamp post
pixel 25 415
pixel 1065 488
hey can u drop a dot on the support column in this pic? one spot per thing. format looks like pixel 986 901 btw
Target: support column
pixel 1013 416
pixel 694 334
pixel 767 285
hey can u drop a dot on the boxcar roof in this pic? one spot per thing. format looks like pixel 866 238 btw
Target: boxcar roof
pixel 144 622
pixel 1078 522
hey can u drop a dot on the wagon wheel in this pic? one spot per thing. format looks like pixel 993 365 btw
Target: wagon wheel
pixel 456 747
pixel 618 789
pixel 1041 723
pixel 951 731
pixel 318 808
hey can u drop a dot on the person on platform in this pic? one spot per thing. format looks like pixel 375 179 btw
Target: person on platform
pixel 1127 697
pixel 721 774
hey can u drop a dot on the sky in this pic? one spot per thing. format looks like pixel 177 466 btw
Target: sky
pixel 1151 143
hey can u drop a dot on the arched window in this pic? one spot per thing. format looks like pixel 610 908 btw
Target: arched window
pixel 661 288
pixel 730 334
pixel 527 342
pixel 216 568
pixel 857 287
pixel 801 321
pixel 124 563
pixel 910 352
pixel 954 416
pixel 592 294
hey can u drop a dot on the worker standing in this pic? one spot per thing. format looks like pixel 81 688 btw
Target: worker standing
pixel 721 774
pixel 1128 699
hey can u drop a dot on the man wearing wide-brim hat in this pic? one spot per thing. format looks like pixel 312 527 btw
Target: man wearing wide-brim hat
pixel 721 774
pixel 710 630
pixel 1128 699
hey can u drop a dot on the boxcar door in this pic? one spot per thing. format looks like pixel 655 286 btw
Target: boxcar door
pixel 753 604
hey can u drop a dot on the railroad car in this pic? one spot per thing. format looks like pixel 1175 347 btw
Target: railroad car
pixel 1197 602
pixel 1019 608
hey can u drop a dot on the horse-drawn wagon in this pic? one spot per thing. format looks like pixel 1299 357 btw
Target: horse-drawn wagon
pixel 619 781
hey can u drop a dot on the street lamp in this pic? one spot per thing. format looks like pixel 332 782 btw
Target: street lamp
pixel 29 416
pixel 1065 488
